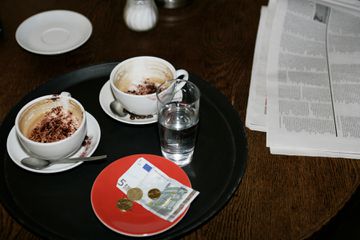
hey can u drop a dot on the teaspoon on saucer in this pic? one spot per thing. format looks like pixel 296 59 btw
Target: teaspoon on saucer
pixel 38 164
pixel 117 108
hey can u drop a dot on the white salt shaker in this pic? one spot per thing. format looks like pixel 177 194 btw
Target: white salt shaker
pixel 140 15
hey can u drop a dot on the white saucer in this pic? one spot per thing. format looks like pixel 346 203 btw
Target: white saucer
pixel 106 97
pixel 53 32
pixel 17 153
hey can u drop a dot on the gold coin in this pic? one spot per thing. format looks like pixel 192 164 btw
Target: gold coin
pixel 154 193
pixel 124 204
pixel 134 194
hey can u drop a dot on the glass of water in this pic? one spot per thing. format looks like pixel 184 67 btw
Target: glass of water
pixel 178 118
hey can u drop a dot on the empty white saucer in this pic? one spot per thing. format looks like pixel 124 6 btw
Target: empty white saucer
pixel 16 151
pixel 53 32
pixel 106 97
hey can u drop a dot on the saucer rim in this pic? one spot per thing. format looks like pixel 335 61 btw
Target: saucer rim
pixel 87 32
pixel 66 166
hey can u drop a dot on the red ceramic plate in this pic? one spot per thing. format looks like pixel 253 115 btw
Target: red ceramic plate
pixel 138 221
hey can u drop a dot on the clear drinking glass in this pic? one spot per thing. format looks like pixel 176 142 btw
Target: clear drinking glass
pixel 178 118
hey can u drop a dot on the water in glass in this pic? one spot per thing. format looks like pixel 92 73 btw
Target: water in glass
pixel 177 128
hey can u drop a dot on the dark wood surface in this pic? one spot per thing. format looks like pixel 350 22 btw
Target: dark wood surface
pixel 280 197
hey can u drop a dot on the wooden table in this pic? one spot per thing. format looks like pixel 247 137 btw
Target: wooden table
pixel 280 197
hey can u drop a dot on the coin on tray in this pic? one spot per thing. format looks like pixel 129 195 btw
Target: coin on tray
pixel 154 193
pixel 124 204
pixel 134 194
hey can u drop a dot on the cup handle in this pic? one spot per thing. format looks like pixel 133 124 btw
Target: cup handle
pixel 182 72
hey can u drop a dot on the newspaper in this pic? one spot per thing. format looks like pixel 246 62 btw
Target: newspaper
pixel 256 109
pixel 311 105
pixel 175 197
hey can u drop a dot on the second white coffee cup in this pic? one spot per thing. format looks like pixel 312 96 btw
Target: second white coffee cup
pixel 134 82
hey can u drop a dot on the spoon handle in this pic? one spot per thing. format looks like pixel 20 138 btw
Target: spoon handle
pixel 78 159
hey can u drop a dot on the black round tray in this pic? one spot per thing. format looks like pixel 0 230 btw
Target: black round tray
pixel 57 205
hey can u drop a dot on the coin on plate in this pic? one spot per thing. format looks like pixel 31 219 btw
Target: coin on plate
pixel 124 204
pixel 154 193
pixel 134 194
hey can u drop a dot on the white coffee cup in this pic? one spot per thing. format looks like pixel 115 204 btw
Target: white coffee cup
pixel 126 77
pixel 33 112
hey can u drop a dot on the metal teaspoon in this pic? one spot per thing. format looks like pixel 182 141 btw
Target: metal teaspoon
pixel 38 164
pixel 117 108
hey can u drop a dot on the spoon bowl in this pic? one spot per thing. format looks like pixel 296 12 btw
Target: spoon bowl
pixel 38 164
pixel 117 108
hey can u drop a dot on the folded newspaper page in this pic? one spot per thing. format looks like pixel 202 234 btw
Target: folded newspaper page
pixel 256 109
pixel 158 193
pixel 312 79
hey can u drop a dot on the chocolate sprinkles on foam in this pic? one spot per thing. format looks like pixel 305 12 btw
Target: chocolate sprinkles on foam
pixel 57 124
